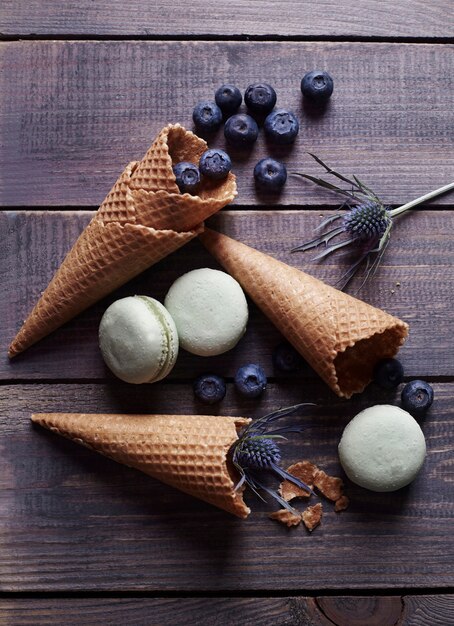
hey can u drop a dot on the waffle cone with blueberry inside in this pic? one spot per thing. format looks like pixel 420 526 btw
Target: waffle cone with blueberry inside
pixel 341 337
pixel 143 219
pixel 188 452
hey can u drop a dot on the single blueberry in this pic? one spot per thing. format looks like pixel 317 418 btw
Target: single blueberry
pixel 388 373
pixel 228 98
pixel 270 174
pixel 250 380
pixel 317 86
pixel 417 396
pixel 241 130
pixel 207 116
pixel 187 176
pixel 209 388
pixel 215 164
pixel 281 126
pixel 286 358
pixel 260 98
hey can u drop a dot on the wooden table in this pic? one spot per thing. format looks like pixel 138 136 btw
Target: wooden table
pixel 85 86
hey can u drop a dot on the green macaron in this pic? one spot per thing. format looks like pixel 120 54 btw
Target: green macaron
pixel 138 339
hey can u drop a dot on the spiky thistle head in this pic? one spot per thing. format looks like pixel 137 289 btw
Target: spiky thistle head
pixel 366 225
pixel 257 450
pixel 259 453
pixel 367 221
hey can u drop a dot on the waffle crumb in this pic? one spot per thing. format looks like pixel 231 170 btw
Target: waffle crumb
pixel 286 517
pixel 312 516
pixel 305 471
pixel 329 486
pixel 341 504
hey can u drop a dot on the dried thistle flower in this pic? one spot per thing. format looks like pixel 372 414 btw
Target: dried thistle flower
pixel 367 224
pixel 257 451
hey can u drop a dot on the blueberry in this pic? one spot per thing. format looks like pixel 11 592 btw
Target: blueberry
pixel 241 130
pixel 209 388
pixel 281 126
pixel 215 164
pixel 417 396
pixel 286 358
pixel 228 98
pixel 187 176
pixel 250 380
pixel 260 98
pixel 317 86
pixel 207 116
pixel 270 174
pixel 388 373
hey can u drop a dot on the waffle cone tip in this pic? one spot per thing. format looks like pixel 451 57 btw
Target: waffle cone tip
pixel 187 452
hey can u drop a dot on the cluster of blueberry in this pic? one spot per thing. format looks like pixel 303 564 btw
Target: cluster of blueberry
pixel 215 164
pixel 416 396
pixel 241 129
pixel 250 380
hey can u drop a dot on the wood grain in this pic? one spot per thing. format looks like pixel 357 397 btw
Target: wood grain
pixel 72 520
pixel 75 113
pixel 417 610
pixel 165 612
pixel 300 18
pixel 414 283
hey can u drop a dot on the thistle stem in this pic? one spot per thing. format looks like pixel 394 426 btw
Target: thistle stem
pixel 421 199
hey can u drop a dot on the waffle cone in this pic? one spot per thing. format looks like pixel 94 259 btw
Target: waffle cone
pixel 188 452
pixel 341 337
pixel 143 219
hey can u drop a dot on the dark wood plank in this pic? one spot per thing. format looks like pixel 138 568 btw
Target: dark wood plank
pixel 288 18
pixel 418 610
pixel 76 521
pixel 165 612
pixel 74 114
pixel 414 283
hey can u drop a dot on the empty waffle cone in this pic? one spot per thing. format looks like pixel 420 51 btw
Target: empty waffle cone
pixel 341 337
pixel 143 219
pixel 188 452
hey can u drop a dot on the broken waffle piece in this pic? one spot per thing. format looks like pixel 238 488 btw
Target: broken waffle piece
pixel 286 517
pixel 341 504
pixel 305 471
pixel 312 516
pixel 329 486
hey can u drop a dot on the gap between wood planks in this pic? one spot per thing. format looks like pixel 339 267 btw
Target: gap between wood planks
pixel 231 207
pixel 174 381
pixel 233 38
pixel 257 593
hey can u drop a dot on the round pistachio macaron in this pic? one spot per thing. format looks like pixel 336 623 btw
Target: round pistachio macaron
pixel 209 309
pixel 138 339
pixel 382 448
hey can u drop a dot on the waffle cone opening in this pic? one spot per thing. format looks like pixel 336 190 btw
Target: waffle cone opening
pixel 354 366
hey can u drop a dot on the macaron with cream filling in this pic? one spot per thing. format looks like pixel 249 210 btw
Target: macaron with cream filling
pixel 209 309
pixel 138 339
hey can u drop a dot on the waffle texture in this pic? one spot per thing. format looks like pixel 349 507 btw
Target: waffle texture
pixel 341 337
pixel 143 219
pixel 188 452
